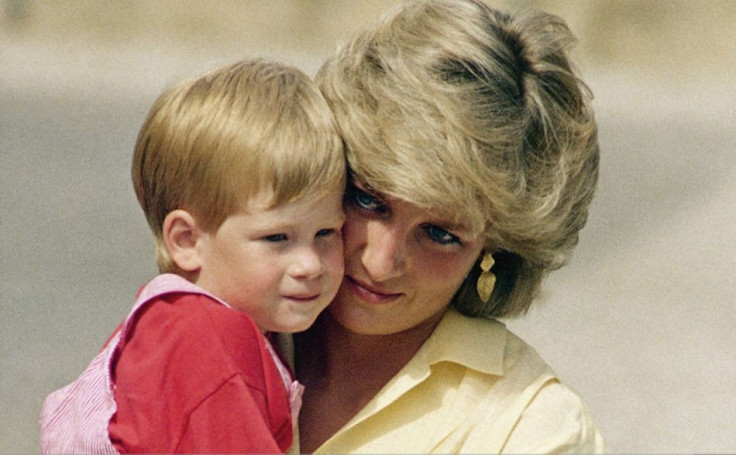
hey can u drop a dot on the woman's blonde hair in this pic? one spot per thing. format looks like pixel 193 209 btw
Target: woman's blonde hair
pixel 212 142
pixel 454 106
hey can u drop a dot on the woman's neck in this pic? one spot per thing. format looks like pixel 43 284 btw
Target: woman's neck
pixel 338 354
pixel 342 371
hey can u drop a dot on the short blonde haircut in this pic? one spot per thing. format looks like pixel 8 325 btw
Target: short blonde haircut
pixel 212 142
pixel 456 107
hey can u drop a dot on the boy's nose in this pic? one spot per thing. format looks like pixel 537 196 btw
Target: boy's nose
pixel 307 264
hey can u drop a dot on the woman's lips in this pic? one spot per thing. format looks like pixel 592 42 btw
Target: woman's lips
pixel 370 294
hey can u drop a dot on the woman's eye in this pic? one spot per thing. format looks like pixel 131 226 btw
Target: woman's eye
pixel 441 236
pixel 275 238
pixel 364 200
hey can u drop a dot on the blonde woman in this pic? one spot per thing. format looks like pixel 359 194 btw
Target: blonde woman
pixel 473 157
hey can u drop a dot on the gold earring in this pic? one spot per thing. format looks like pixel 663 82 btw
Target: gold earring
pixel 487 279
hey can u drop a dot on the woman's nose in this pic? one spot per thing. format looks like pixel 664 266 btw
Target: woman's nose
pixel 385 252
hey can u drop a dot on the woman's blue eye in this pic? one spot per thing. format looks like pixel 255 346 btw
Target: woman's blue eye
pixel 364 200
pixel 441 236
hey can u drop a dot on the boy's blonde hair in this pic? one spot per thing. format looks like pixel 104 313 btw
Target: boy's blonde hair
pixel 212 142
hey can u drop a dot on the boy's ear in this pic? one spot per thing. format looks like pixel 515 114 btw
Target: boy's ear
pixel 181 233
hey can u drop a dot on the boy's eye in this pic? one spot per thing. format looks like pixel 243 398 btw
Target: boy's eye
pixel 441 236
pixel 325 232
pixel 275 238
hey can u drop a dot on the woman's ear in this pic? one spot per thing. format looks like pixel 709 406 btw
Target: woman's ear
pixel 181 233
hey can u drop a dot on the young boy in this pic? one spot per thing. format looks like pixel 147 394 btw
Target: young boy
pixel 240 173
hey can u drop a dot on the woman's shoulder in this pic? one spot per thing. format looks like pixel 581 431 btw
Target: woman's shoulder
pixel 485 345
pixel 520 399
pixel 557 420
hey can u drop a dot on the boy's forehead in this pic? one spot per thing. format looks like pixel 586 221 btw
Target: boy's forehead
pixel 266 199
pixel 262 199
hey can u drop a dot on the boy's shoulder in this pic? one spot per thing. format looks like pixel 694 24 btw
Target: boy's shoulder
pixel 171 302
pixel 193 318
pixel 196 333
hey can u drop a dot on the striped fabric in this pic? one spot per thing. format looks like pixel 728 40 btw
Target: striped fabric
pixel 294 389
pixel 75 419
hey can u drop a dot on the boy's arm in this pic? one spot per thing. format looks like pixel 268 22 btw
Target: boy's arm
pixel 228 421
pixel 190 377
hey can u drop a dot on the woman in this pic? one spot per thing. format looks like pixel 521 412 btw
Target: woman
pixel 474 156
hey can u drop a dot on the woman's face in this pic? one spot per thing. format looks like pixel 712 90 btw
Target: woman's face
pixel 403 264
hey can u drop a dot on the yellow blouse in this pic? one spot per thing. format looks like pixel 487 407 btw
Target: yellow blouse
pixel 473 387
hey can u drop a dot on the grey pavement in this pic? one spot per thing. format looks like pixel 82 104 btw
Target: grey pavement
pixel 641 322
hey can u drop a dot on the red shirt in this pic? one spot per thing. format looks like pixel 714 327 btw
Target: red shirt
pixel 195 376
pixel 183 373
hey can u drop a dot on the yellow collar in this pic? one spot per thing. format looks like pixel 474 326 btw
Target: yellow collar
pixel 471 342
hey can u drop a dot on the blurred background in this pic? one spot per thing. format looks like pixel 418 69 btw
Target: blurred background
pixel 641 323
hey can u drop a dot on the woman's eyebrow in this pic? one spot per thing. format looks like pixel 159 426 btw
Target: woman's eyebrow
pixel 446 222
pixel 363 186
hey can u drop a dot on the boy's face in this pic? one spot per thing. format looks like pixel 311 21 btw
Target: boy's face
pixel 282 265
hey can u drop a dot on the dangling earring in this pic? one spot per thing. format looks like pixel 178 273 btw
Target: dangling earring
pixel 486 280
